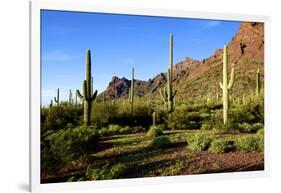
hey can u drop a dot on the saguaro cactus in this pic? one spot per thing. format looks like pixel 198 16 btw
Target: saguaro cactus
pixel 131 92
pixel 76 98
pixel 57 98
pixel 225 86
pixel 70 100
pixel 51 104
pixel 168 94
pixel 87 96
pixel 154 118
pixel 258 82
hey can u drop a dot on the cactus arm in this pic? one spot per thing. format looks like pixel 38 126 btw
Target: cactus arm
pixel 55 99
pixel 231 81
pixel 174 94
pixel 93 97
pixel 221 85
pixel 163 95
pixel 79 94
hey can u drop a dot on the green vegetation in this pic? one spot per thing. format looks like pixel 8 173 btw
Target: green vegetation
pixel 112 138
pixel 200 142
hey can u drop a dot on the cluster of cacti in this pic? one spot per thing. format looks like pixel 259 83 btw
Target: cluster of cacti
pixel 225 85
pixel 57 98
pixel 88 97
pixel 167 94
pixel 131 93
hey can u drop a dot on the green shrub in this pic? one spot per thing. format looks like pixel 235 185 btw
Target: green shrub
pixel 70 144
pixel 182 119
pixel 248 128
pixel 221 146
pixel 200 142
pixel 228 127
pixel 117 129
pixel 257 127
pixel 207 126
pixel 106 172
pixel 60 117
pixel 249 143
pixel 160 142
pixel 155 131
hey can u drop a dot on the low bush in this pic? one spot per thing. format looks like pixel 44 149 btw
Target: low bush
pixel 160 142
pixel 155 131
pixel 221 146
pixel 106 172
pixel 117 130
pixel 68 145
pixel 60 117
pixel 248 128
pixel 184 120
pixel 200 142
pixel 250 143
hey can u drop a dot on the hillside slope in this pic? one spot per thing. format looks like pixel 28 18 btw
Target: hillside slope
pixel 193 78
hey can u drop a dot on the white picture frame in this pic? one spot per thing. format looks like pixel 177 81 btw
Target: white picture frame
pixel 36 6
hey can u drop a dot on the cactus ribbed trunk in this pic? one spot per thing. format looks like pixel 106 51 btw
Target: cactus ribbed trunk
pixel 131 92
pixel 88 97
pixel 70 97
pixel 225 86
pixel 258 83
pixel 57 98
pixel 168 95
pixel 154 118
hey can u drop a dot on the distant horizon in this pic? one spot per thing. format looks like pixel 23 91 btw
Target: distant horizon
pixel 118 43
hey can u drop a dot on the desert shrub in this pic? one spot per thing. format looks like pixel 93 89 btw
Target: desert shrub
pixel 184 120
pixel 251 112
pixel 113 129
pixel 106 172
pixel 226 128
pixel 221 146
pixel 200 141
pixel 207 125
pixel 160 142
pixel 249 143
pixel 59 117
pixel 103 114
pixel 257 127
pixel 70 144
pixel 155 131
pixel 248 128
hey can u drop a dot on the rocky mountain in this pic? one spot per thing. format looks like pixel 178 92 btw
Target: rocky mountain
pixel 193 78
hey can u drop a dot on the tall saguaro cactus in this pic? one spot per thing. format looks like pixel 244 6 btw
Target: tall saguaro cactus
pixel 70 100
pixel 87 96
pixel 131 92
pixel 154 117
pixel 258 82
pixel 168 94
pixel 225 86
pixel 57 98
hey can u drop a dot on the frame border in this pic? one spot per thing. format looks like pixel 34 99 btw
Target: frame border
pixel 34 100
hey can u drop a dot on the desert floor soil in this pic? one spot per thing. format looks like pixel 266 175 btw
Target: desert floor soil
pixel 140 160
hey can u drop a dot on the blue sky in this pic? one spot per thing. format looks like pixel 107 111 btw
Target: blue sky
pixel 118 43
